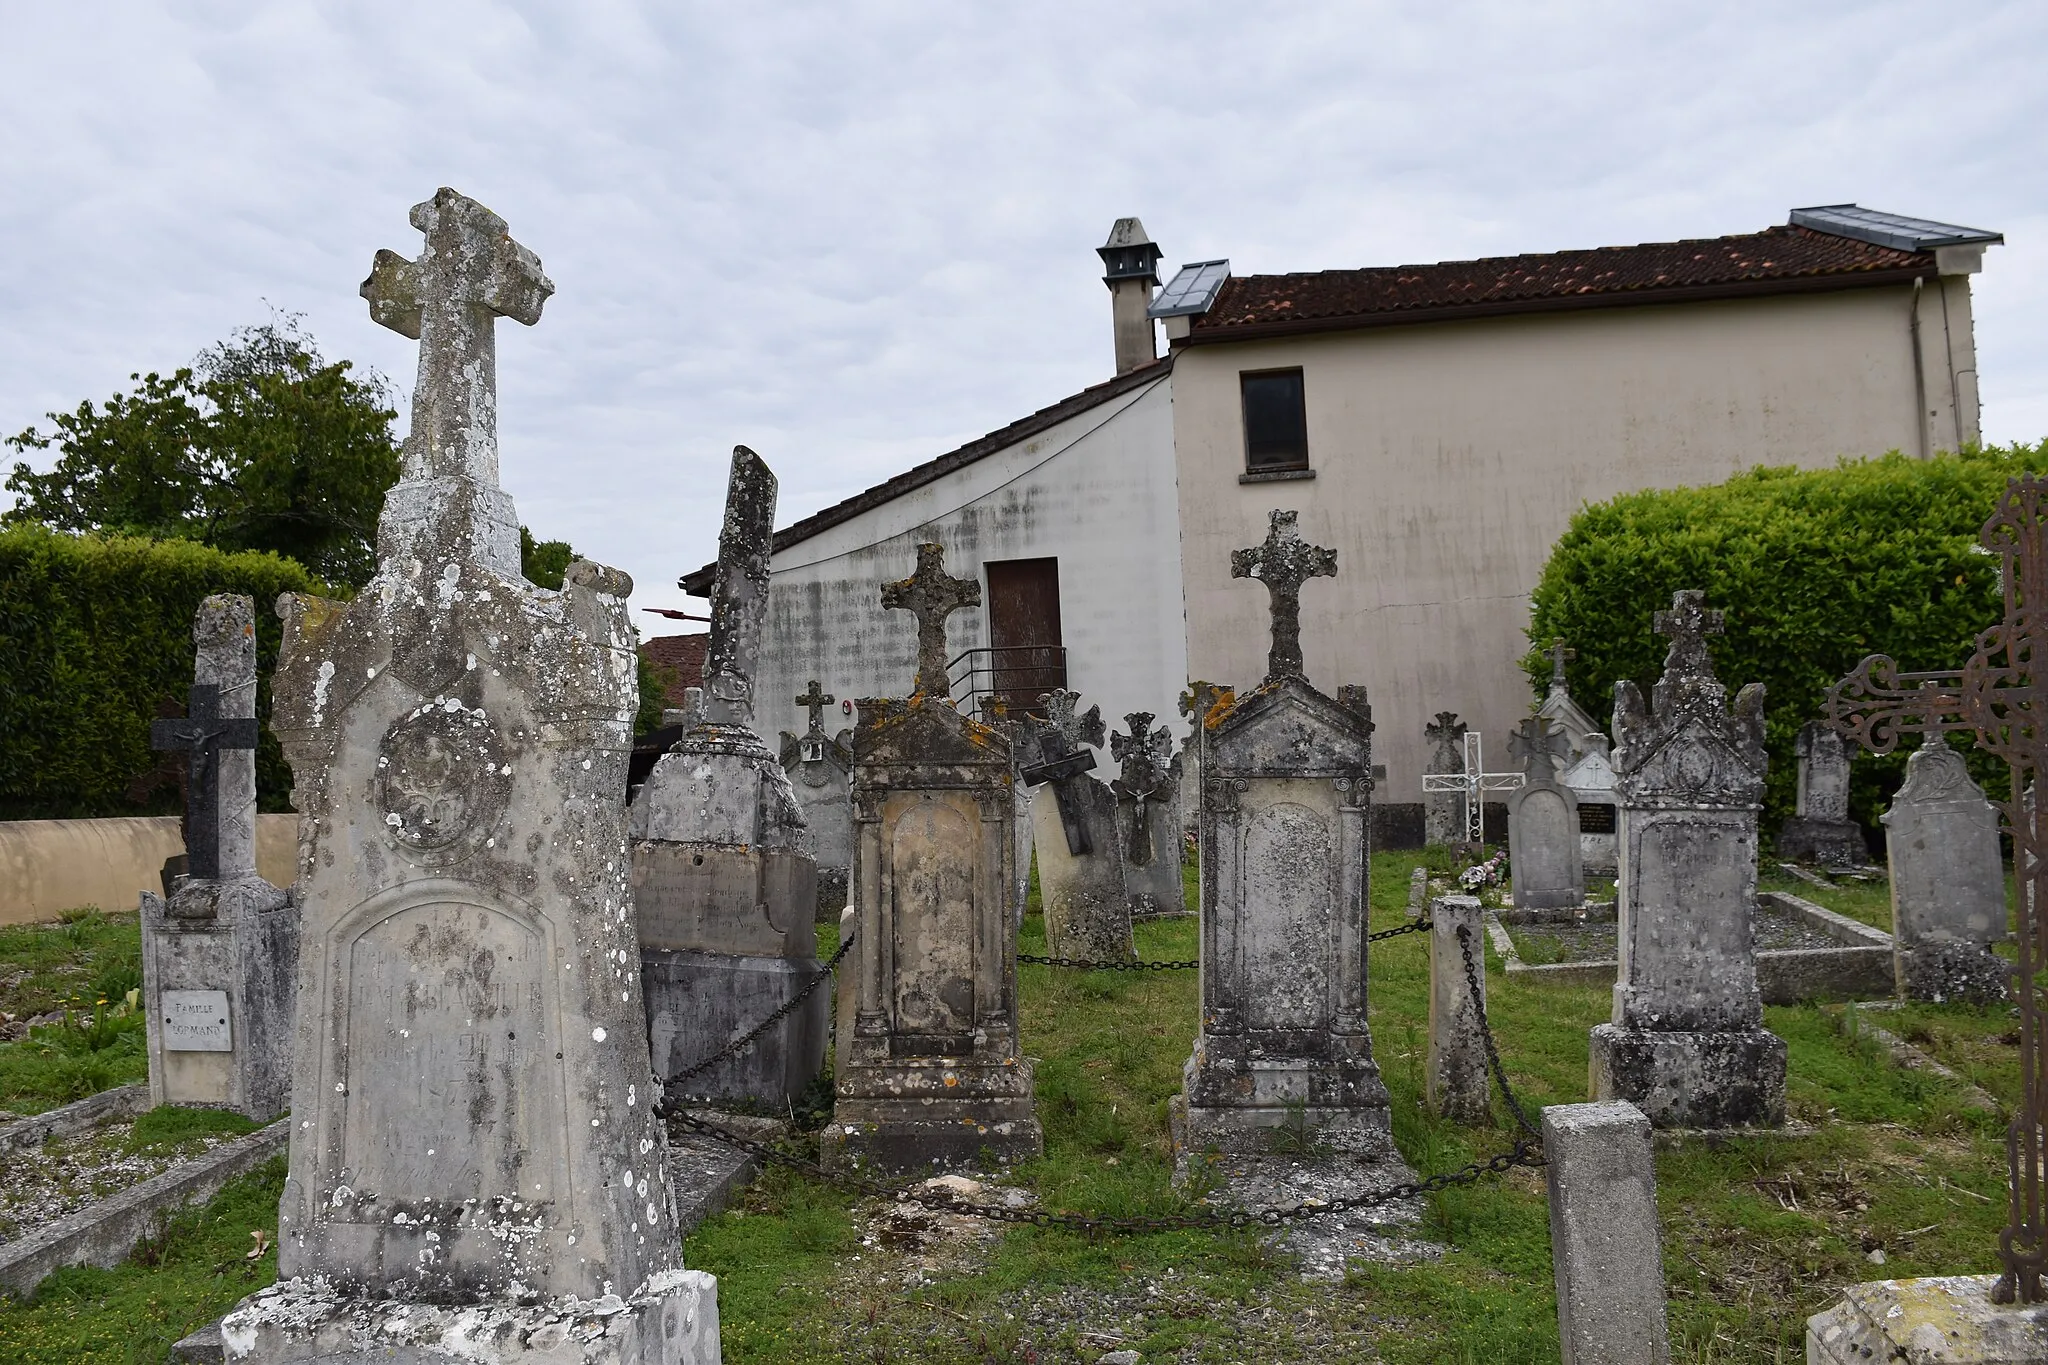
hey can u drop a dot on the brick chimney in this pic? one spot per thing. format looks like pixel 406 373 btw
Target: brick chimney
pixel 1132 261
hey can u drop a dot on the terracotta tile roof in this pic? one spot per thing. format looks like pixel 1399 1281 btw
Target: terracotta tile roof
pixel 698 582
pixel 683 655
pixel 1776 260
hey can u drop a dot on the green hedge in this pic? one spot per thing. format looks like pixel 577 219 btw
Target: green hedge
pixel 96 633
pixel 1814 568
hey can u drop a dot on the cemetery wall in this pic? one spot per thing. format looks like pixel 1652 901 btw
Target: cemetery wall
pixel 1449 457
pixel 1096 491
pixel 50 866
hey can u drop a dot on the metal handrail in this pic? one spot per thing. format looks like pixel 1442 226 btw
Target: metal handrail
pixel 985 662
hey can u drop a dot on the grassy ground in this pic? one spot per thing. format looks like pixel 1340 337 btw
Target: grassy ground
pixel 1758 1232
pixel 85 966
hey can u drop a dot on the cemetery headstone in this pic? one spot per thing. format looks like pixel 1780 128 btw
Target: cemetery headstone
pixel 1148 824
pixel 475 1154
pixel 1443 813
pixel 1074 830
pixel 1580 730
pixel 1018 730
pixel 820 768
pixel 1947 879
pixel 1687 1043
pixel 1820 830
pixel 1286 794
pixel 220 956
pixel 932 1074
pixel 725 892
pixel 1591 779
pixel 1543 823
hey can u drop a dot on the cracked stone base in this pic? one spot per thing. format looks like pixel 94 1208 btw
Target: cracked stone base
pixel 1831 843
pixel 1947 1318
pixel 931 1141
pixel 1266 1130
pixel 673 1322
pixel 1733 1079
pixel 1950 969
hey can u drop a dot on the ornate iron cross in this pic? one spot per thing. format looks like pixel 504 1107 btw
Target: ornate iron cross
pixel 1473 783
pixel 201 734
pixel 931 594
pixel 1283 563
pixel 2000 696
pixel 1144 755
pixel 1062 750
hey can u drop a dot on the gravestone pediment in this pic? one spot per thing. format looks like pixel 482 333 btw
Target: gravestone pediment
pixel 926 735
pixel 1288 728
pixel 1592 773
pixel 1694 761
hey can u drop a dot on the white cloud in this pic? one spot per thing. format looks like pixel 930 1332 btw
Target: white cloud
pixel 854 235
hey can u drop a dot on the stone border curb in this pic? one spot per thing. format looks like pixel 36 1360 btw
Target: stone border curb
pixel 103 1233
pixel 1856 1025
pixel 122 1102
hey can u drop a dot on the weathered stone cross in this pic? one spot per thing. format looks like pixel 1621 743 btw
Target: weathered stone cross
pixel 1062 741
pixel 1688 623
pixel 815 701
pixel 931 595
pixel 1539 744
pixel 471 273
pixel 1560 654
pixel 1283 563
pixel 202 733
pixel 739 591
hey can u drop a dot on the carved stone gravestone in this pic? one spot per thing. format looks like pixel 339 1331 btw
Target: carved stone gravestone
pixel 932 1074
pixel 1687 1043
pixel 220 958
pixel 1443 812
pixel 820 768
pixel 1820 830
pixel 475 1156
pixel 1591 779
pixel 1543 823
pixel 1948 880
pixel 1148 822
pixel 725 893
pixel 1074 829
pixel 1287 781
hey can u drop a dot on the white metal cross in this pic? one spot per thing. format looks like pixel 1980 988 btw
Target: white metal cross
pixel 1472 784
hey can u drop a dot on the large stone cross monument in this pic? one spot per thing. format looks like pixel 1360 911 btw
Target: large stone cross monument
pixel 932 1074
pixel 477 1171
pixel 1286 793
pixel 725 891
pixel 1687 1043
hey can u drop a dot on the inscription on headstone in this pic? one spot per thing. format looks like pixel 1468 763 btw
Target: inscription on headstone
pixel 196 1021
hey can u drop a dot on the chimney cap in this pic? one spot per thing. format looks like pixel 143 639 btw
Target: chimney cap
pixel 1129 254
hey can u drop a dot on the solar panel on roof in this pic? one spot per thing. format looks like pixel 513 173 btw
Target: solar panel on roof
pixel 1894 230
pixel 1193 290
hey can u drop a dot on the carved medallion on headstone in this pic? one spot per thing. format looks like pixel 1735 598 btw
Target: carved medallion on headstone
pixel 442 780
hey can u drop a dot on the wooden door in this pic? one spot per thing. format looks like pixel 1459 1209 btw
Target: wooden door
pixel 1024 630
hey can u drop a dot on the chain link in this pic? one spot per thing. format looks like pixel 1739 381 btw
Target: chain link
pixel 1091 964
pixel 741 1043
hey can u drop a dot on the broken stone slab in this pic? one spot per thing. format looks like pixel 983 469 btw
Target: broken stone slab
pixel 1939 1320
pixel 1295 1170
pixel 707 1172
pixel 1605 1248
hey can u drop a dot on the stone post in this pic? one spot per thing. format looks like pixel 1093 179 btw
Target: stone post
pixel 1604 1246
pixel 1947 879
pixel 1456 1085
pixel 220 958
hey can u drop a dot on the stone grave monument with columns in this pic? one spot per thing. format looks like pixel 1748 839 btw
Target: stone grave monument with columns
pixel 1074 829
pixel 1687 1043
pixel 477 1170
pixel 220 957
pixel 820 768
pixel 1286 791
pixel 932 1074
pixel 725 893
pixel 1148 821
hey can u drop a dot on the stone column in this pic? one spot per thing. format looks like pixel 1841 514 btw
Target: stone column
pixel 1948 881
pixel 1456 1084
pixel 1604 1245
pixel 219 959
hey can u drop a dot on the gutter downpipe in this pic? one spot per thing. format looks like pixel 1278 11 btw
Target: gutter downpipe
pixel 1919 371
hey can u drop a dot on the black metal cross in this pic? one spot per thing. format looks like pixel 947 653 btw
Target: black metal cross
pixel 2001 696
pixel 202 733
pixel 1283 563
pixel 931 594
pixel 1062 752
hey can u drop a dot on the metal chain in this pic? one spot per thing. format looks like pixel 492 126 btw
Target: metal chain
pixel 1090 964
pixel 740 1044
pixel 1500 1074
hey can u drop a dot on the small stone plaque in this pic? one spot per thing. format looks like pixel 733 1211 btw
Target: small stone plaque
pixel 196 1021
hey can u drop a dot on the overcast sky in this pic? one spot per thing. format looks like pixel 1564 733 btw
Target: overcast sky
pixel 854 235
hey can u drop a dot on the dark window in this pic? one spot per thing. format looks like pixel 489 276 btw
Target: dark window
pixel 1275 420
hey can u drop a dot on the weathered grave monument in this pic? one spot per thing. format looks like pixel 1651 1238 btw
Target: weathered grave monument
pixel 220 958
pixel 1074 829
pixel 477 1171
pixel 1947 880
pixel 725 894
pixel 1820 830
pixel 932 1074
pixel 1286 792
pixel 1543 822
pixel 2000 696
pixel 820 768
pixel 1443 812
pixel 1687 1043
pixel 1148 822
pixel 1587 769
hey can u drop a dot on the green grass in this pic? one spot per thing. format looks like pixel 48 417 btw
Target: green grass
pixel 84 965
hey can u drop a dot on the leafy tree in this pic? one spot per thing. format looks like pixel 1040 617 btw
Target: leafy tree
pixel 543 562
pixel 259 444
